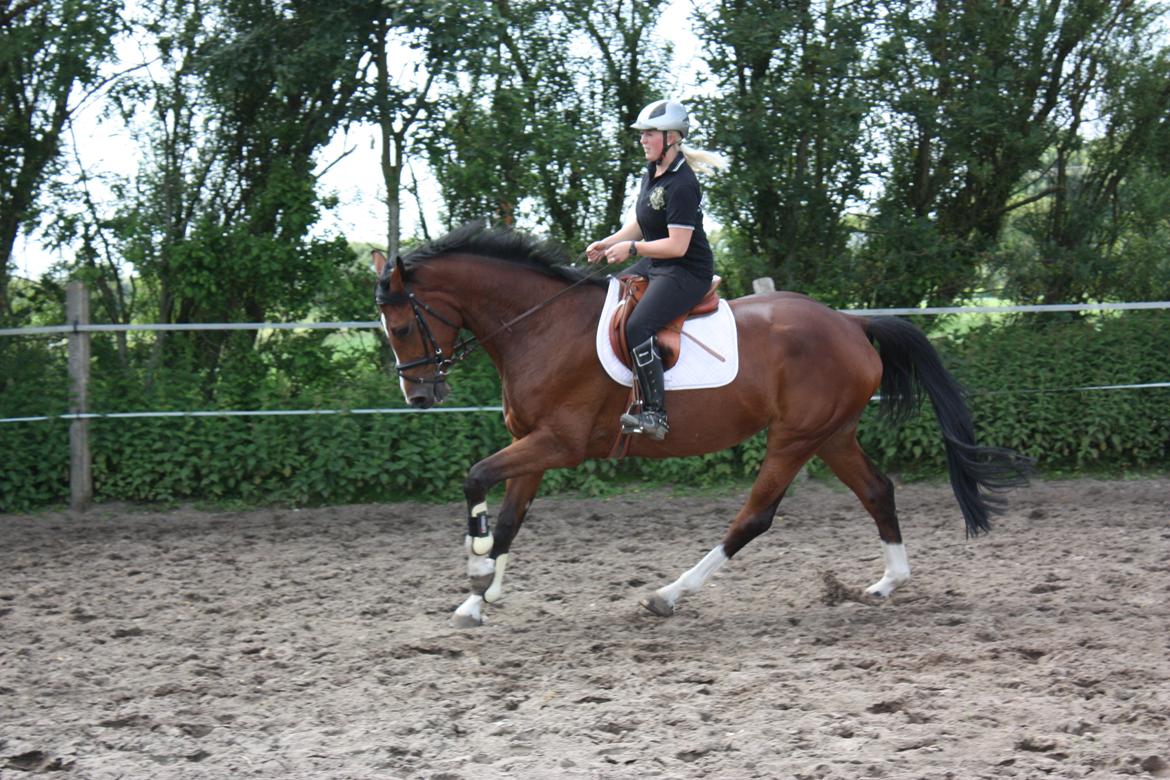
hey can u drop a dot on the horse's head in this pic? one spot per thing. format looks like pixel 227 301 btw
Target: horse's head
pixel 422 335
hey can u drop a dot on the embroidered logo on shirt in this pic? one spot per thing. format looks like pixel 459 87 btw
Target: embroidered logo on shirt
pixel 657 198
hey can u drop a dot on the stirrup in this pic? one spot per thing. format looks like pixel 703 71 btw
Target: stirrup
pixel 652 423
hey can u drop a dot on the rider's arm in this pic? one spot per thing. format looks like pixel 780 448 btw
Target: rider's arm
pixel 626 246
pixel 672 247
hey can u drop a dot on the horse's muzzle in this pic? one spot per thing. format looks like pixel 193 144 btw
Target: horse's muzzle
pixel 426 396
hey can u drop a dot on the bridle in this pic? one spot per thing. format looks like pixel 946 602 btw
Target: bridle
pixel 436 358
pixel 464 346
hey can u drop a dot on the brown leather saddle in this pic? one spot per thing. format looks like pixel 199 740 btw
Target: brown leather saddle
pixel 630 292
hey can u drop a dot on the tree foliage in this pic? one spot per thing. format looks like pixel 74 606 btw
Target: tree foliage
pixel 217 221
pixel 979 95
pixel 791 111
pixel 51 52
pixel 1103 230
pixel 881 153
pixel 409 46
pixel 536 125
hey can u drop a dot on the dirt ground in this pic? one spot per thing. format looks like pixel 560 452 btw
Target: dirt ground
pixel 314 643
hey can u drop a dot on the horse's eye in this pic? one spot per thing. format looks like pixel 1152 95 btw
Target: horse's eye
pixel 401 333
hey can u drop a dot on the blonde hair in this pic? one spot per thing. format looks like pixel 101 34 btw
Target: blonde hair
pixel 702 161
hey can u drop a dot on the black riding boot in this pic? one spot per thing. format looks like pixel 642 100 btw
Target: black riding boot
pixel 652 419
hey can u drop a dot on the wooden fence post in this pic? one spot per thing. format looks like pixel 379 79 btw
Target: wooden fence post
pixel 80 463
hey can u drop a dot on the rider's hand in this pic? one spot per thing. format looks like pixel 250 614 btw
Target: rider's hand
pixel 595 252
pixel 617 253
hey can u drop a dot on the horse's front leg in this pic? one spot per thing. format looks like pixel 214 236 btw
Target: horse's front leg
pixel 523 464
pixel 487 553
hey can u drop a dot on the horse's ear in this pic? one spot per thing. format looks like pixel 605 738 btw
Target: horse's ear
pixel 398 276
pixel 379 259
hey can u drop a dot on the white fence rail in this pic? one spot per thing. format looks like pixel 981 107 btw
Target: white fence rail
pixel 255 413
pixel 79 327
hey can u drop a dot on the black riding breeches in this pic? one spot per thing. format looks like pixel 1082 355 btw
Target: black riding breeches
pixel 671 293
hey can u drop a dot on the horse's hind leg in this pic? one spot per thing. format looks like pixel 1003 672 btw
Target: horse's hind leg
pixel 849 462
pixel 755 517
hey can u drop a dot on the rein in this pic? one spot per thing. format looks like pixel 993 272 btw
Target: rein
pixel 468 345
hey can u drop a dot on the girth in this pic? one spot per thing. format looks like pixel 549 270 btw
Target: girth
pixel 633 287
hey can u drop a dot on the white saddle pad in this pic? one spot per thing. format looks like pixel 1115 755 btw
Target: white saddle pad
pixel 696 367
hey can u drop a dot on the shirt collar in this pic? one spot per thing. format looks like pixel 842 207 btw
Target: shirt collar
pixel 652 166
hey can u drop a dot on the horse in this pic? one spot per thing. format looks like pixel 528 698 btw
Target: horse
pixel 807 373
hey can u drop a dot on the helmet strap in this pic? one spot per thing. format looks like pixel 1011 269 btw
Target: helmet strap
pixel 666 146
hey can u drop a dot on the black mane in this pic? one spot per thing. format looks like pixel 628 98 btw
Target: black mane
pixel 476 238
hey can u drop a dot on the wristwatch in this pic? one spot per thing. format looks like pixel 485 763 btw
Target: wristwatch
pixel 633 252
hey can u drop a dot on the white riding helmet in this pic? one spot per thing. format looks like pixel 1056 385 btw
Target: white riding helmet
pixel 664 115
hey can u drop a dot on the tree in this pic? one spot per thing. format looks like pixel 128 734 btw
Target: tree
pixel 537 125
pixel 791 113
pixel 1101 232
pixel 632 67
pixel 51 51
pixel 217 222
pixel 423 40
pixel 978 95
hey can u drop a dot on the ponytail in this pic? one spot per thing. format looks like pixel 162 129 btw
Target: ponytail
pixel 702 161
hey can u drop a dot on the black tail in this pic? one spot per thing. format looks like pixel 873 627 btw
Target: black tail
pixel 910 365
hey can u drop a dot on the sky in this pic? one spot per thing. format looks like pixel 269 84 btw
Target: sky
pixel 355 179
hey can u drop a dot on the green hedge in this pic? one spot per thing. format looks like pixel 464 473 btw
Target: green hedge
pixel 1019 379
pixel 1012 371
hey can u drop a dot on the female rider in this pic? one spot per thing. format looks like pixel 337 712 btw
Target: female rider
pixel 667 233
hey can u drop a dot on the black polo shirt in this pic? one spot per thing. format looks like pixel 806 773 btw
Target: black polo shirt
pixel 674 200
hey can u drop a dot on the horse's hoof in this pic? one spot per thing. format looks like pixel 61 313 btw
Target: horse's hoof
pixel 465 621
pixel 658 605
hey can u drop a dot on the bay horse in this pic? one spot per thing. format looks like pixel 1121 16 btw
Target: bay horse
pixel 806 374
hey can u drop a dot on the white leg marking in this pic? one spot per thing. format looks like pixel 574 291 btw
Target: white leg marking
pixel 471 610
pixel 693 579
pixel 897 570
pixel 492 594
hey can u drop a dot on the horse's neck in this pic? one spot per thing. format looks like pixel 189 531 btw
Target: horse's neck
pixel 528 313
